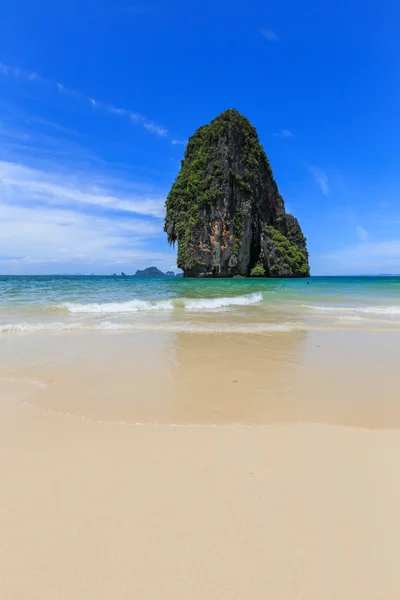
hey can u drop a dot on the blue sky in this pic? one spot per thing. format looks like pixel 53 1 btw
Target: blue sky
pixel 97 99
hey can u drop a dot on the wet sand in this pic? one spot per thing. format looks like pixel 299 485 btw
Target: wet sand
pixel 344 378
pixel 281 480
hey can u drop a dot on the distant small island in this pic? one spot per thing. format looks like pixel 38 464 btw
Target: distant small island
pixel 150 272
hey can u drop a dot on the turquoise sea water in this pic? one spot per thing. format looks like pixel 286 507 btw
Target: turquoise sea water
pixel 56 303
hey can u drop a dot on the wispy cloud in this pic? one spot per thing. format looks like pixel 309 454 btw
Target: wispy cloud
pixel 284 133
pixel 29 140
pixel 93 103
pixel 366 257
pixel 20 183
pixel 320 178
pixel 179 142
pixel 54 221
pixel 270 35
pixel 362 233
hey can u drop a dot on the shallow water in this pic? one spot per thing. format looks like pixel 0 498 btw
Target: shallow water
pixel 123 349
pixel 49 303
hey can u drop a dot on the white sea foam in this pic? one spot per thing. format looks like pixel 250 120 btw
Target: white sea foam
pixel 215 303
pixel 131 306
pixel 244 328
pixel 37 327
pixel 177 326
pixel 372 310
pixel 351 318
pixel 134 306
pixel 111 326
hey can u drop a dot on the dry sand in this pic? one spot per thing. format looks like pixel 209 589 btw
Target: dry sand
pixel 95 510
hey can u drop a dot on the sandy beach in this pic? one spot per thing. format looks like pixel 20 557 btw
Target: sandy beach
pixel 93 508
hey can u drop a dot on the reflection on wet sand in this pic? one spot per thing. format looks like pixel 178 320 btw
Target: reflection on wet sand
pixel 162 378
pixel 234 379
pixel 347 378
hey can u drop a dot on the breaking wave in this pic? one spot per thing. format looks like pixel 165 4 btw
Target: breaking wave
pixel 37 327
pixel 131 306
pixel 213 303
pixel 253 328
pixel 371 310
pixel 134 306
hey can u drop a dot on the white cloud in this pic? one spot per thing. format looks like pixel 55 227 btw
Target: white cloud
pixel 21 183
pixel 362 233
pixel 284 133
pixel 270 35
pixel 57 222
pixel 59 236
pixel 98 105
pixel 179 142
pixel 18 73
pixel 321 179
pixel 364 258
pixel 152 127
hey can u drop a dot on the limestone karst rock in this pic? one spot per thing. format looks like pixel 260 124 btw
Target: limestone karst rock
pixel 225 210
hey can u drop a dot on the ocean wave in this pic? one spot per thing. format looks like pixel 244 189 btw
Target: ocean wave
pixel 108 325
pixel 244 328
pixel 351 318
pixel 372 310
pixel 172 327
pixel 131 306
pixel 37 327
pixel 215 303
pixel 134 306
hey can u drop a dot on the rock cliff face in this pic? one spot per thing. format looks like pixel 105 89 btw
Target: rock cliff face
pixel 225 210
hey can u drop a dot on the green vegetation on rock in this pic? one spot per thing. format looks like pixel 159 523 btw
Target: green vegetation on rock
pixel 281 257
pixel 257 271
